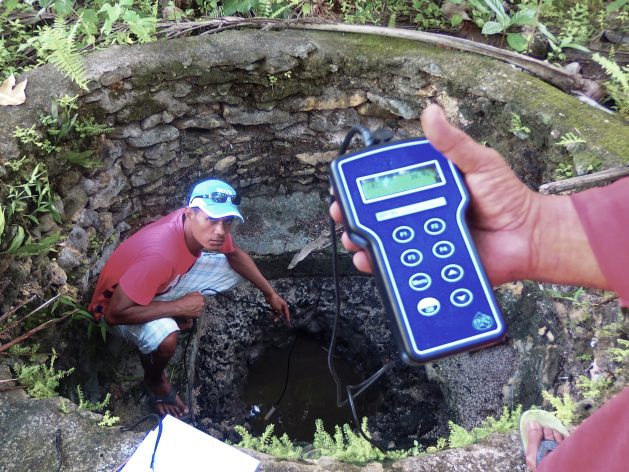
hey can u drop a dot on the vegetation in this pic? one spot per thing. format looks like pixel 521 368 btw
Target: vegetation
pixel 41 381
pixel 348 446
pixel 60 31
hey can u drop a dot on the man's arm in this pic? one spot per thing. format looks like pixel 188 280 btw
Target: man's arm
pixel 123 310
pixel 242 263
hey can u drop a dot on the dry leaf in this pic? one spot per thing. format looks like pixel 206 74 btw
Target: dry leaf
pixel 10 95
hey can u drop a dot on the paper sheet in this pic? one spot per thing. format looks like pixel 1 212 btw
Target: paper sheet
pixel 184 448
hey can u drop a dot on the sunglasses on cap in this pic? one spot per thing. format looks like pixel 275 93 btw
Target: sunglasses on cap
pixel 220 197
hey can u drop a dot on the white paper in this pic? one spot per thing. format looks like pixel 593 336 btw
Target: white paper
pixel 184 448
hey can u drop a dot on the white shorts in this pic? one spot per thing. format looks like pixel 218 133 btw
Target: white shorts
pixel 210 274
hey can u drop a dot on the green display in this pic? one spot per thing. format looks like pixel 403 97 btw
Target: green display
pixel 399 181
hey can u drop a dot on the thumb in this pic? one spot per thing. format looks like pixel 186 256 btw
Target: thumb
pixel 468 155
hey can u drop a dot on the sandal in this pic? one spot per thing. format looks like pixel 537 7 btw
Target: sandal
pixel 546 420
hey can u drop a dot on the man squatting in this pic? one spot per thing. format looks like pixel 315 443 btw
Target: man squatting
pixel 153 284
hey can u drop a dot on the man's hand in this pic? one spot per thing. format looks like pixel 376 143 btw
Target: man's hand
pixel 519 234
pixel 189 306
pixel 501 208
pixel 279 306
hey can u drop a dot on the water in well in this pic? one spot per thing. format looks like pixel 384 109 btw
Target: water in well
pixel 310 390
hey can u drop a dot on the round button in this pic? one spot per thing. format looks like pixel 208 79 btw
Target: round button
pixel 403 234
pixel 443 249
pixel 461 297
pixel 420 281
pixel 435 226
pixel 411 257
pixel 428 306
pixel 452 273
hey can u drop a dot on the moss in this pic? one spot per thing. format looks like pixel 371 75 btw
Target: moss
pixel 143 107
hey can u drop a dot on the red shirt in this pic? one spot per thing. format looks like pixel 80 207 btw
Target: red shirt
pixel 604 214
pixel 148 263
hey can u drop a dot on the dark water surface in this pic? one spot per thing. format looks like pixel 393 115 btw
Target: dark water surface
pixel 310 393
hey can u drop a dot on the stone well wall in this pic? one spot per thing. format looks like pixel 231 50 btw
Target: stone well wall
pixel 266 111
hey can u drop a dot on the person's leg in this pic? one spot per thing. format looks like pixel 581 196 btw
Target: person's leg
pixel 154 365
pixel 157 342
pixel 210 274
pixel 538 439
pixel 600 443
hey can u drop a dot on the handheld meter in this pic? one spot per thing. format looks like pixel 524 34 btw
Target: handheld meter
pixel 405 203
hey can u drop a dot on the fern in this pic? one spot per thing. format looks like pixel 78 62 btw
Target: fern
pixel 618 85
pixel 58 46
pixel 565 408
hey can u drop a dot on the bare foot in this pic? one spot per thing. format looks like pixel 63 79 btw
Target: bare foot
pixel 164 399
pixel 535 435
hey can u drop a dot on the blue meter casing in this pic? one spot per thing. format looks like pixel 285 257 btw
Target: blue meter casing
pixel 405 203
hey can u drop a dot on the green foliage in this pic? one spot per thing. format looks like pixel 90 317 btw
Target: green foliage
pixel 491 16
pixel 508 421
pixel 570 140
pixel 517 128
pixel 618 84
pixel 594 389
pixel 565 407
pixel 620 354
pixel 89 405
pixel 563 171
pixel 108 420
pixel 39 380
pixel 57 45
pixel 25 203
pixel 268 443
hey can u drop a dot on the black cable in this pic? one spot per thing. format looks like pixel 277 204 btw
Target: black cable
pixel 369 139
pixel 58 449
pixel 277 403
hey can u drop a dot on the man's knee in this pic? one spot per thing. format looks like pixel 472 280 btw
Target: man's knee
pixel 168 346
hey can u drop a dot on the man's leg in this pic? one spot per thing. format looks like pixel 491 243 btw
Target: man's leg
pixel 157 342
pixel 154 365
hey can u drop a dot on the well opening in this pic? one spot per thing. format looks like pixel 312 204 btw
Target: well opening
pixel 402 406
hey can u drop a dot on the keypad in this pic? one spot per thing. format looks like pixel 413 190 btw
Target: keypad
pixel 438 250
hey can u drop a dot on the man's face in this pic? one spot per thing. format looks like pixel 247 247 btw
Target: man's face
pixel 209 233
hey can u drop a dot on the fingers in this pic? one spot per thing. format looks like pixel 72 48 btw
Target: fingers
pixel 456 145
pixel 335 212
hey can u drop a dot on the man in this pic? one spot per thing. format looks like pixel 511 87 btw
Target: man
pixel 152 286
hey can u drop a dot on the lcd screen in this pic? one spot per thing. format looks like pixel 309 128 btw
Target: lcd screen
pixel 399 181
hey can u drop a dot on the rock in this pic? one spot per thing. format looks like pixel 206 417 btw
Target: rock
pixel 29 429
pixel 112 183
pixel 78 239
pixel 69 258
pixel 243 116
pixel 225 163
pixel 162 154
pixel 159 134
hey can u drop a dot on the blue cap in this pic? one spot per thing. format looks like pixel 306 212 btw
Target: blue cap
pixel 216 198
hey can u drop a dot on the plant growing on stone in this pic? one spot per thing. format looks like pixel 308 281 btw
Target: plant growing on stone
pixel 620 354
pixel 268 443
pixel 108 420
pixel 594 389
pixel 25 203
pixel 41 381
pixel 517 128
pixel 565 407
pixel 508 421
